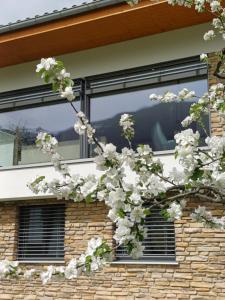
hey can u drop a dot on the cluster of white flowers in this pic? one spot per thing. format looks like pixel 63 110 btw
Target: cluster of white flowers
pixel 188 120
pixel 204 57
pixel 214 6
pixel 167 97
pixel 46 63
pixel 46 143
pixel 83 125
pixel 9 269
pixel 95 257
pixel 175 210
pixel 186 148
pixel 186 94
pixel 216 145
pixel 54 71
pixel 209 35
pixel 214 99
pixel 127 123
pixel 202 215
pixel 68 93
pixel 171 97
pixel 106 158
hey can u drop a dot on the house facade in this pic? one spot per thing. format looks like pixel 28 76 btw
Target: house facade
pixel 117 55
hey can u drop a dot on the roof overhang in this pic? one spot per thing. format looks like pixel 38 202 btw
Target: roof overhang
pixel 93 29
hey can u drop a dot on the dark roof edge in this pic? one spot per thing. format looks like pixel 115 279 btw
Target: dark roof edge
pixel 55 15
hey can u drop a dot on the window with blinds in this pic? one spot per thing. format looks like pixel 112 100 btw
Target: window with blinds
pixel 41 233
pixel 160 241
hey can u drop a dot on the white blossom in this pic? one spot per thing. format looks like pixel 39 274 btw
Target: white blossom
pixel 209 35
pixel 68 93
pixel 45 142
pixel 46 64
pixel 204 57
pixel 215 6
pixel 137 214
pixel 28 274
pixel 137 250
pixel 71 270
pixel 186 94
pixel 174 211
pixel 63 74
pixel 46 276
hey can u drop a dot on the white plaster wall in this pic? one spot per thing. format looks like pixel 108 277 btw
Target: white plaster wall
pixel 152 49
pixel 13 182
pixel 138 52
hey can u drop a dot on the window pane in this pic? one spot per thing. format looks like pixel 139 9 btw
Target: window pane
pixel 159 243
pixel 19 128
pixel 41 232
pixel 155 123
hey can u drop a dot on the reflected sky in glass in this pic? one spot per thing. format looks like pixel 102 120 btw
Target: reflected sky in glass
pixel 155 123
pixel 128 102
pixel 19 128
pixel 50 118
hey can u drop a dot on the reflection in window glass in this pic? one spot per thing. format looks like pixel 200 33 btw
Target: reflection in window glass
pixel 19 128
pixel 155 123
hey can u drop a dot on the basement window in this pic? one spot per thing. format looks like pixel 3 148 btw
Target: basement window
pixel 41 233
pixel 159 244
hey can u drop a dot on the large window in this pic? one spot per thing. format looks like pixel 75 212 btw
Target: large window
pixel 19 128
pixel 103 98
pixel 156 123
pixel 41 233
pixel 24 113
pixel 160 241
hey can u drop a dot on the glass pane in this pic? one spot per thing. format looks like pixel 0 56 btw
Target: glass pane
pixel 41 232
pixel 19 128
pixel 159 243
pixel 155 123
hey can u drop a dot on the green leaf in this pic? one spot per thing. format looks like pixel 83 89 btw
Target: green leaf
pixel 129 247
pixel 197 174
pixel 147 212
pixel 121 213
pixel 165 214
pixel 89 198
pixel 39 179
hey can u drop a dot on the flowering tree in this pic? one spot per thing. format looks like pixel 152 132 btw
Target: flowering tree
pixel 200 172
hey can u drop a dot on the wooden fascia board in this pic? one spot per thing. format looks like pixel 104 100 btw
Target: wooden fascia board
pixel 94 29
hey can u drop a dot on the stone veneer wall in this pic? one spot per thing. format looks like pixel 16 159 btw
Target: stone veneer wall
pixel 198 275
pixel 217 124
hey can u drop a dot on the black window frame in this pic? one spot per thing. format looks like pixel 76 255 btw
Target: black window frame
pixel 41 233
pixel 174 71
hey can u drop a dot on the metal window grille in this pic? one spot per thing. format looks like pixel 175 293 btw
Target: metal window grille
pixel 149 75
pixel 159 243
pixel 41 233
pixel 40 95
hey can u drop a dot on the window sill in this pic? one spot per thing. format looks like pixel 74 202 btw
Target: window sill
pixel 43 262
pixel 79 161
pixel 69 162
pixel 131 262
